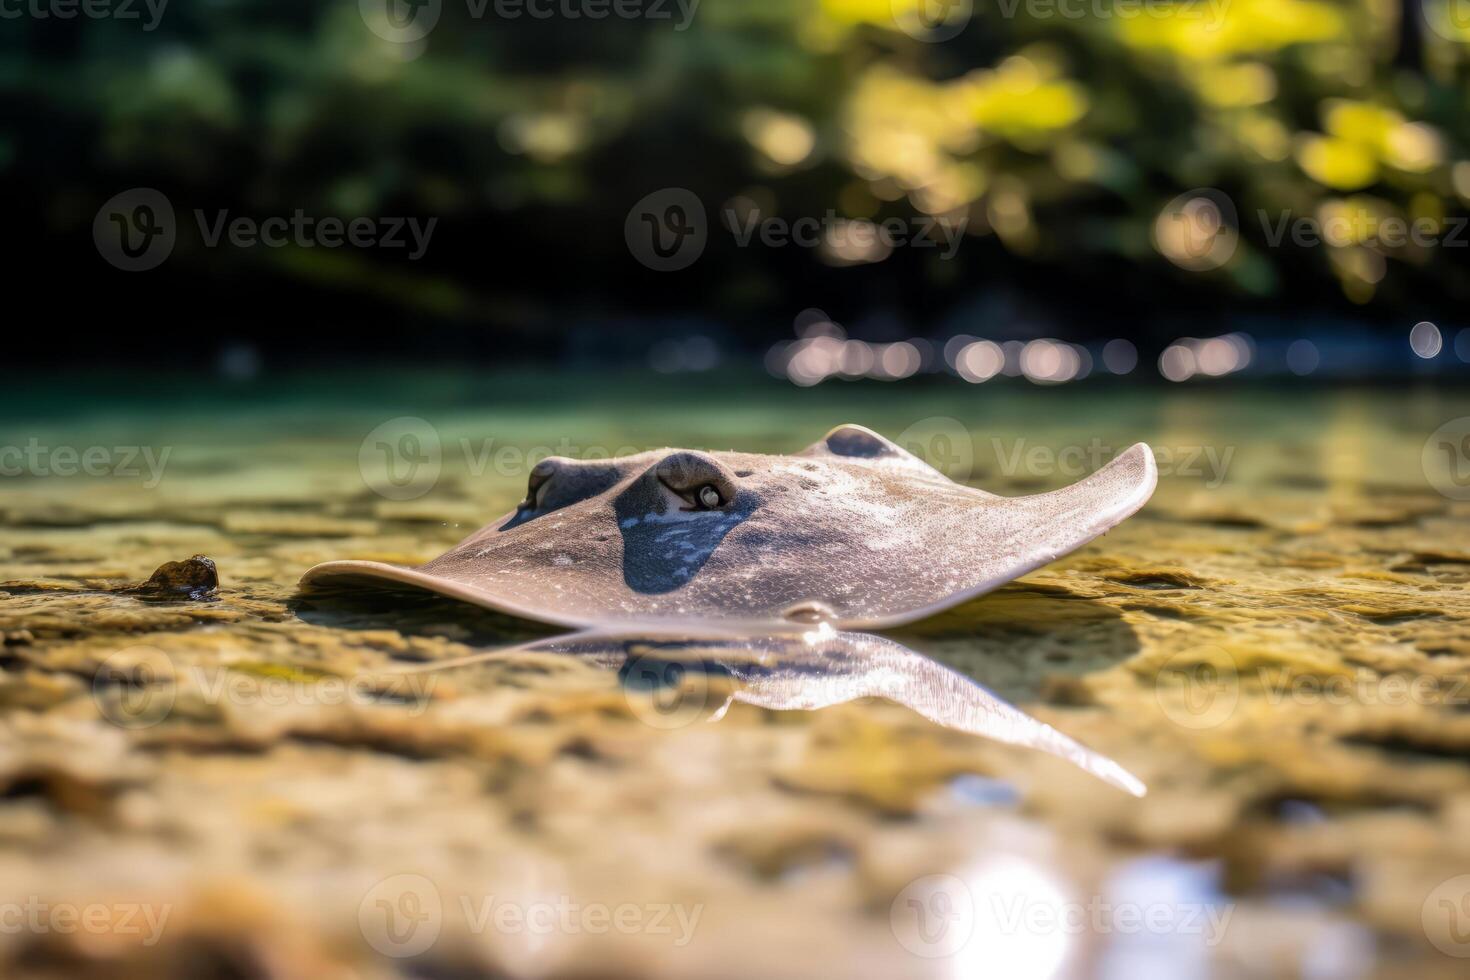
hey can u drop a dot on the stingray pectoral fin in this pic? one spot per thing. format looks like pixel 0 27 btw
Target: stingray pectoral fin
pixel 1097 503
pixel 1007 537
pixel 351 572
pixel 1045 526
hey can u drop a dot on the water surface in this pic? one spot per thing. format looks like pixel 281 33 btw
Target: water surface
pixel 1276 645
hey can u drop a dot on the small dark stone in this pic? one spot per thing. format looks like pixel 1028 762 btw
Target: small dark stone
pixel 193 578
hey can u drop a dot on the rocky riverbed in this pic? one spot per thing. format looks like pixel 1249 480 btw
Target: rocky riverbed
pixel 243 781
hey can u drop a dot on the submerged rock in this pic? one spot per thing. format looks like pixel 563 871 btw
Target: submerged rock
pixel 193 578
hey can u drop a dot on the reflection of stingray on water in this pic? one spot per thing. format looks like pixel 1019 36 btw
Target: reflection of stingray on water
pixel 810 669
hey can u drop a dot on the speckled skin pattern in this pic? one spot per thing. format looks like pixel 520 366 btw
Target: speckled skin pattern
pixel 852 530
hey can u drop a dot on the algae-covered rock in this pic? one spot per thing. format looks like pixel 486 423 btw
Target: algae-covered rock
pixel 193 578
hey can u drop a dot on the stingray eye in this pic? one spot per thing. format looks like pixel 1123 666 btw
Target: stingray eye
pixel 701 482
pixel 556 482
pixel 541 474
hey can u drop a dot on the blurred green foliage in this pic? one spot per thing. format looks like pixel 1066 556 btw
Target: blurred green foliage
pixel 1062 131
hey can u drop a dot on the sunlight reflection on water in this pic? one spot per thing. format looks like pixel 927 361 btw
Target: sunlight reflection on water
pixel 1017 906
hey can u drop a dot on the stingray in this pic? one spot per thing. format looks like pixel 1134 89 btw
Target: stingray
pixel 804 669
pixel 853 530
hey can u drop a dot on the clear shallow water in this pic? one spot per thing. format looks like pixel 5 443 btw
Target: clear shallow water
pixel 1238 645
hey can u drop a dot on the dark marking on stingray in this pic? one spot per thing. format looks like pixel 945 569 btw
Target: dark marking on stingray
pixel 666 545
